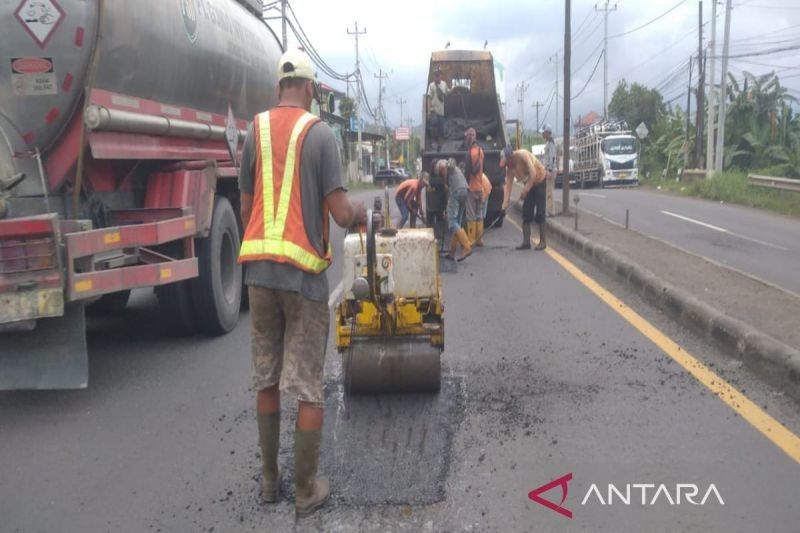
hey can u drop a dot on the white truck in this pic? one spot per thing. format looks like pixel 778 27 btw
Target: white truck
pixel 606 154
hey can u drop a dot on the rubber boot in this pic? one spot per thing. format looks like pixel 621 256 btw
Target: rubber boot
pixel 478 233
pixel 526 237
pixel 471 231
pixel 463 240
pixel 311 493
pixel 542 239
pixel 451 253
pixel 269 431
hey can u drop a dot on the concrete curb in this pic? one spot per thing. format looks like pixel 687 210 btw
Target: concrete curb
pixel 779 363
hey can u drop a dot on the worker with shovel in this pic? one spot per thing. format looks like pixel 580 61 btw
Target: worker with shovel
pixel 456 186
pixel 529 171
pixel 408 198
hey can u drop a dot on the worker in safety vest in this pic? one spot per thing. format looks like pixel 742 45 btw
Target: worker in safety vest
pixel 473 170
pixel 290 180
pixel 408 197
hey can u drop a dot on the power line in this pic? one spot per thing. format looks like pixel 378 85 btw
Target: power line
pixel 590 77
pixel 591 56
pixel 312 52
pixel 664 14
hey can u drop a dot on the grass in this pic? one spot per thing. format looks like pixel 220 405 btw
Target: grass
pixel 733 187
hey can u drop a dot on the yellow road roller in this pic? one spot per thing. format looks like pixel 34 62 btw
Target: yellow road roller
pixel 390 322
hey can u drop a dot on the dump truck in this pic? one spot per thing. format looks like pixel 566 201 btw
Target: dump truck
pixel 473 102
pixel 606 154
pixel 120 125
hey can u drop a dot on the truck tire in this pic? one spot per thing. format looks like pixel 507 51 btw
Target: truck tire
pixel 109 304
pixel 217 291
pixel 175 304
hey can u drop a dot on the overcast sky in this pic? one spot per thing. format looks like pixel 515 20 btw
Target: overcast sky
pixel 524 35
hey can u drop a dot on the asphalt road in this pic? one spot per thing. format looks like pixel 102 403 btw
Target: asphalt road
pixel 541 379
pixel 755 242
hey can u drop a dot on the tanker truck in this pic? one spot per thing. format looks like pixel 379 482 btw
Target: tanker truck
pixel 120 125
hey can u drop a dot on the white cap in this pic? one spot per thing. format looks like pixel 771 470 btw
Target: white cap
pixel 547 128
pixel 296 64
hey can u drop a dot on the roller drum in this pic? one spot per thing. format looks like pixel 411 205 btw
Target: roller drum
pixel 397 364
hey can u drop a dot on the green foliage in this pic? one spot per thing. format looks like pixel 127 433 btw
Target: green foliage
pixel 636 104
pixel 347 108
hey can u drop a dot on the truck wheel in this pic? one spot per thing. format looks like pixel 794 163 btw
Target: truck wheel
pixel 217 291
pixel 175 303
pixel 109 304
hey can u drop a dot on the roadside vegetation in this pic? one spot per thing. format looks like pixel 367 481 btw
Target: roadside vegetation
pixel 762 136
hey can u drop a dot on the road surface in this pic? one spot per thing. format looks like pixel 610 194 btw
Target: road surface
pixel 542 378
pixel 758 243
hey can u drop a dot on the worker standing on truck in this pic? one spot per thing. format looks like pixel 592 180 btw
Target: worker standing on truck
pixel 408 198
pixel 473 168
pixel 286 250
pixel 526 169
pixel 456 187
pixel 437 90
pixel 551 165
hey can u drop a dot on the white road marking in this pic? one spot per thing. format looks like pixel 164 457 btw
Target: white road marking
pixel 723 230
pixel 591 194
pixel 337 292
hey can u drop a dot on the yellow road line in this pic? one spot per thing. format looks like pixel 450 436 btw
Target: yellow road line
pixel 776 432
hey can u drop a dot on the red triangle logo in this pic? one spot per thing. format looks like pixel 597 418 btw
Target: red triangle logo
pixel 563 482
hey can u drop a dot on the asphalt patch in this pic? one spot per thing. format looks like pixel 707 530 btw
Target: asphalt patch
pixel 391 449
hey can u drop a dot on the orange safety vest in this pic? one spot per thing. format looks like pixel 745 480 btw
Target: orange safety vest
pixel 276 230
pixel 474 159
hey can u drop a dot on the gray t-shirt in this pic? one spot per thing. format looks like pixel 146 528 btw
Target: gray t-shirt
pixel 456 179
pixel 550 155
pixel 320 175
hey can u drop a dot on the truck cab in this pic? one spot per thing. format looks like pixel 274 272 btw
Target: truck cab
pixel 619 160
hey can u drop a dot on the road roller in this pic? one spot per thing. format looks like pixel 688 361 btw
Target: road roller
pixel 390 322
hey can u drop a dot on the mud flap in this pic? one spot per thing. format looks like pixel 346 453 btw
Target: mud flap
pixel 51 356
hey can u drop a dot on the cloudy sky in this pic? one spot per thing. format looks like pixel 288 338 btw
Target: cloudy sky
pixel 524 35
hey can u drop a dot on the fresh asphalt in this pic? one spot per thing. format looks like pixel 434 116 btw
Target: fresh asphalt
pixel 541 379
pixel 755 242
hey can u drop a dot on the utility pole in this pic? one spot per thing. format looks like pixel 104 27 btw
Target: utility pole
pixel 401 102
pixel 698 139
pixel 537 104
pixel 359 97
pixel 567 96
pixel 688 105
pixel 283 24
pixel 605 9
pixel 723 91
pixel 556 96
pixel 711 93
pixel 523 88
pixel 381 113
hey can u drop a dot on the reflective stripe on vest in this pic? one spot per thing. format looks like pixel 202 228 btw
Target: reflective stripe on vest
pixel 273 244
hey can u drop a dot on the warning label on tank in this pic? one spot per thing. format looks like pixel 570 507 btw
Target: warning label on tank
pixel 40 18
pixel 33 76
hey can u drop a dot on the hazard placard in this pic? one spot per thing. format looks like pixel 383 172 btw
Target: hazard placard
pixel 40 18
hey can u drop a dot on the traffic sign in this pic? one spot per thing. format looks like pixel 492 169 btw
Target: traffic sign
pixel 642 131
pixel 402 134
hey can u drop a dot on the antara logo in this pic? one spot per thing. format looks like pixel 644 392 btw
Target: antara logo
pixel 645 494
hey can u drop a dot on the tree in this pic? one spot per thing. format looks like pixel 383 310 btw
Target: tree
pixel 347 108
pixel 636 104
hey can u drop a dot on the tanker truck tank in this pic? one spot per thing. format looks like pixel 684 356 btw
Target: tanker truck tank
pixel 157 57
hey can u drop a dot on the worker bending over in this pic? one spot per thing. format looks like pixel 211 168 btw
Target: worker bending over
pixel 473 169
pixel 526 169
pixel 408 198
pixel 286 250
pixel 456 186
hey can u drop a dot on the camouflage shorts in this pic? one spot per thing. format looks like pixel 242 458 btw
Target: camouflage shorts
pixel 289 336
